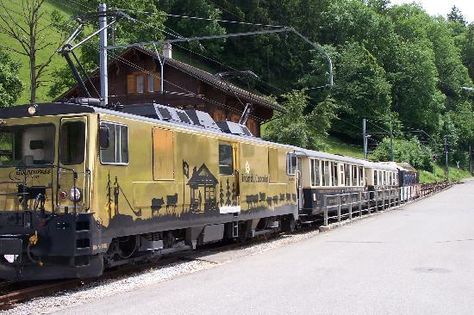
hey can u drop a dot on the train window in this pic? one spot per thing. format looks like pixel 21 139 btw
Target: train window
pixel 117 151
pixel 354 175
pixel 226 159
pixel 72 142
pixel 347 174
pixel 334 174
pixel 324 173
pixel 291 163
pixel 163 154
pixel 315 173
pixel 376 178
pixel 28 145
pixel 361 176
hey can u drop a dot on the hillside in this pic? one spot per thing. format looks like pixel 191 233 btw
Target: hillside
pixel 49 33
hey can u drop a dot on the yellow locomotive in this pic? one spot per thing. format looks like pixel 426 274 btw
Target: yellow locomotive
pixel 83 188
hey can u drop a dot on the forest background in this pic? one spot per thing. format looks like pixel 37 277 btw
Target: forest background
pixel 408 73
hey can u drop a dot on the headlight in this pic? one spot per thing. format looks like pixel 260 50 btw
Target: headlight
pixel 32 109
pixel 75 194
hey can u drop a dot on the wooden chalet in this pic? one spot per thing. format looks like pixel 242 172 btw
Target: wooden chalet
pixel 135 76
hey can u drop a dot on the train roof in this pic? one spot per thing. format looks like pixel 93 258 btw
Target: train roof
pixel 189 120
pixel 45 109
pixel 328 156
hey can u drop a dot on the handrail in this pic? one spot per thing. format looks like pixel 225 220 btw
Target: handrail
pixel 345 205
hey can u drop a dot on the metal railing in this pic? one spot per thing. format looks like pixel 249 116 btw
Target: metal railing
pixel 343 206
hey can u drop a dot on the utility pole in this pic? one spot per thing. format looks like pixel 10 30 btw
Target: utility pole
pixel 446 156
pixel 104 84
pixel 470 159
pixel 391 142
pixel 364 135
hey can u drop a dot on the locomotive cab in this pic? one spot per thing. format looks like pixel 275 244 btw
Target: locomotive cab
pixel 45 194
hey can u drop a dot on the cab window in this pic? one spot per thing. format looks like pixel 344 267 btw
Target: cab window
pixel 72 143
pixel 29 145
pixel 117 150
pixel 226 159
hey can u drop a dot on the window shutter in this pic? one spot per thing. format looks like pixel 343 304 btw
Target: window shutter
pixel 131 84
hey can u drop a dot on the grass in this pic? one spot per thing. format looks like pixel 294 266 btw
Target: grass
pixel 51 35
pixel 438 174
pixel 336 146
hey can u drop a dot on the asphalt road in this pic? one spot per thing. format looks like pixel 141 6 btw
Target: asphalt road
pixel 415 260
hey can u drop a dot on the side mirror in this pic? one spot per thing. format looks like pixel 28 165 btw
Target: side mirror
pixel 104 137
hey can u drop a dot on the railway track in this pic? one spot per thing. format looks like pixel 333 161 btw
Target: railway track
pixel 12 293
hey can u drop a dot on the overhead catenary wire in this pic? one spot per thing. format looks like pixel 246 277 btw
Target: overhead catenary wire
pixel 198 18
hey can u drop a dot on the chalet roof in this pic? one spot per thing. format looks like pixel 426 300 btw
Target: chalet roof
pixel 202 75
pixel 215 81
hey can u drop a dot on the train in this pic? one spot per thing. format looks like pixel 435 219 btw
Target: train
pixel 84 188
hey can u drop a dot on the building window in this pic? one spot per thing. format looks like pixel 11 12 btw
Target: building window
pixel 143 82
pixel 140 84
pixel 117 151
pixel 226 159
pixel 151 83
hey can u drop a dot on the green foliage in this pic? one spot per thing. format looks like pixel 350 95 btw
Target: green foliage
pixel 394 65
pixel 468 50
pixel 298 124
pixel 410 151
pixel 439 174
pixel 10 83
pixel 42 55
pixel 147 27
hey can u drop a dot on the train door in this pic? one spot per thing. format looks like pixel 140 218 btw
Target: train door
pixel 229 178
pixel 299 181
pixel 73 175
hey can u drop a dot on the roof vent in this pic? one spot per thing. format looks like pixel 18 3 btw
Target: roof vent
pixel 234 128
pixel 202 119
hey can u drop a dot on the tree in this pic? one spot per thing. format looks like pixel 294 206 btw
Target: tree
pixel 468 50
pixel 301 124
pixel 10 84
pixel 148 26
pixel 455 15
pixel 27 30
pixel 409 151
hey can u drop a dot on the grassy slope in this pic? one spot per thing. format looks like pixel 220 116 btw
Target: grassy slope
pixel 51 34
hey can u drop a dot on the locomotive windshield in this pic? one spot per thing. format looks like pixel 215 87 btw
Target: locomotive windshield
pixel 30 145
